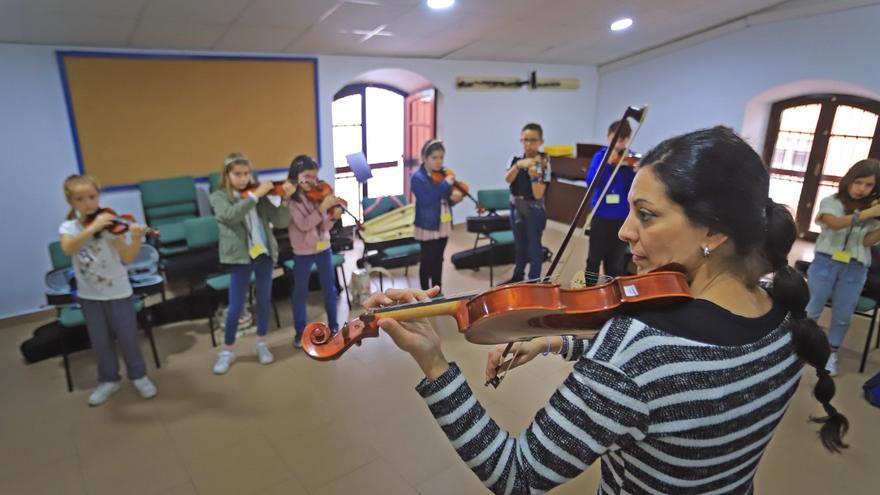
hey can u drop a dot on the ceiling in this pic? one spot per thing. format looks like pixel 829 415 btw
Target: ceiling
pixel 535 31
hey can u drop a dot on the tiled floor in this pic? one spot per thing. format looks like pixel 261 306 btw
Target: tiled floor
pixel 352 426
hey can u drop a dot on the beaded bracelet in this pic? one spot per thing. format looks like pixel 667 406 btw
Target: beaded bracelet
pixel 564 350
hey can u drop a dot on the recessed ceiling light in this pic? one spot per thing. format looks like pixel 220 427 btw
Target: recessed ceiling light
pixel 440 4
pixel 621 24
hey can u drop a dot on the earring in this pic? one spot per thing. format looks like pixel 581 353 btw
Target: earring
pixel 706 251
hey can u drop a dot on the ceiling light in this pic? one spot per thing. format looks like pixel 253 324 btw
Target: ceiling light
pixel 440 4
pixel 621 24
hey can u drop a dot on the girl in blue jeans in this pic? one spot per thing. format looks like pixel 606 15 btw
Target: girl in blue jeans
pixel 309 230
pixel 843 250
pixel 245 218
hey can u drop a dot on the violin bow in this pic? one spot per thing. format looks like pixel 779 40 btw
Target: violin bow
pixel 637 114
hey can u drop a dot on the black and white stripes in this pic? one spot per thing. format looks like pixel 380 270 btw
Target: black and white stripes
pixel 664 413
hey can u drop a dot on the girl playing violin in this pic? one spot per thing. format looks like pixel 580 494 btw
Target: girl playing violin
pixel 310 238
pixel 674 400
pixel 843 250
pixel 247 246
pixel 433 222
pixel 105 293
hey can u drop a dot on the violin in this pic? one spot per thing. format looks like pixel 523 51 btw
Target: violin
pixel 438 176
pixel 628 160
pixel 277 189
pixel 320 190
pixel 120 224
pixel 516 312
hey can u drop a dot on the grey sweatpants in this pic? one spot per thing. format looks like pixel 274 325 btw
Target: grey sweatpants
pixel 106 319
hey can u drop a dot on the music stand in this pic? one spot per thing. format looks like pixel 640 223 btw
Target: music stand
pixel 357 162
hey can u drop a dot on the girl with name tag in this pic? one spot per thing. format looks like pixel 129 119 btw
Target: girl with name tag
pixel 605 245
pixel 247 246
pixel 850 227
pixel 433 222
pixel 309 229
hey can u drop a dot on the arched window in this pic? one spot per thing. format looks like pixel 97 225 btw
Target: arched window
pixel 811 143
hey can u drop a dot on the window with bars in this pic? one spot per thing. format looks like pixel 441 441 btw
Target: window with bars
pixel 811 142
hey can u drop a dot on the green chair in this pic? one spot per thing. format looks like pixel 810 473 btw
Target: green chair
pixel 213 181
pixel 338 266
pixel 499 238
pixel 167 203
pixel 494 200
pixel 59 259
pixel 71 317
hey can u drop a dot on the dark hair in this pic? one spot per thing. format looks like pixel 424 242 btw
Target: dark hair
pixel 861 168
pixel 722 184
pixel 431 146
pixel 625 129
pixel 531 126
pixel 300 164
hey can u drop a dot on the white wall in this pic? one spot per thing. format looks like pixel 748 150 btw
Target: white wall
pixel 481 131
pixel 712 83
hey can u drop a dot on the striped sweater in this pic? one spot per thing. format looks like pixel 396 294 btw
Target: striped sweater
pixel 666 414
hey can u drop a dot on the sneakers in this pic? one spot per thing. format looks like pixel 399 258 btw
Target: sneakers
pixel 831 365
pixel 224 359
pixel 263 354
pixel 297 342
pixel 103 392
pixel 144 387
pixel 512 280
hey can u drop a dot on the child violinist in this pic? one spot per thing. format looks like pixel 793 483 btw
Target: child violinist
pixel 433 223
pixel 843 250
pixel 103 288
pixel 245 218
pixel 528 176
pixel 310 224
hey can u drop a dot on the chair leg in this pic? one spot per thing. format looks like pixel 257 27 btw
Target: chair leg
pixel 65 359
pixel 211 314
pixel 148 329
pixel 491 263
pixel 345 285
pixel 275 310
pixel 868 341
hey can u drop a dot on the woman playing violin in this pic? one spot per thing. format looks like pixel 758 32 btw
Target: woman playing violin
pixel 850 227
pixel 433 223
pixel 309 230
pixel 677 400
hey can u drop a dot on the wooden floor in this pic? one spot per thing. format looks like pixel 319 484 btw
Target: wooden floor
pixel 352 426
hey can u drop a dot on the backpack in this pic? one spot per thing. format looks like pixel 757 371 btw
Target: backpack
pixel 872 390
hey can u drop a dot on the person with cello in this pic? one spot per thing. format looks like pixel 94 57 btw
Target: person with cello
pixel 850 227
pixel 435 192
pixel 311 218
pixel 682 398
pixel 605 247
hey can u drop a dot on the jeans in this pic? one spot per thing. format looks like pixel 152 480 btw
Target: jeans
pixel 302 268
pixel 106 319
pixel 240 280
pixel 527 222
pixel 843 283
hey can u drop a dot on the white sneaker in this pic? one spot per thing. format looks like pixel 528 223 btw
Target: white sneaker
pixel 831 365
pixel 103 392
pixel 263 354
pixel 224 359
pixel 144 387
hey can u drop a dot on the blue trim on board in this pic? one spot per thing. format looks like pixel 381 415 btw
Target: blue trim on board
pixel 60 54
